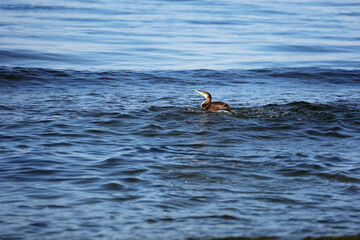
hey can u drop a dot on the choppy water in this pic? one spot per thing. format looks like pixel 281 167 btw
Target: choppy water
pixel 102 136
pixel 128 154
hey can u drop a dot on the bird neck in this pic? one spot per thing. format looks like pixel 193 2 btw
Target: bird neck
pixel 206 102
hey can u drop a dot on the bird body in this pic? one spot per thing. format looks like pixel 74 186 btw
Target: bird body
pixel 207 105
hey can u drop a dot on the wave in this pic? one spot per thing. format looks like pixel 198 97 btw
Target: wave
pixel 336 76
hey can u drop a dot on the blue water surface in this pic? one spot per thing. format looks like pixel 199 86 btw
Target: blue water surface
pixel 102 135
pixel 159 34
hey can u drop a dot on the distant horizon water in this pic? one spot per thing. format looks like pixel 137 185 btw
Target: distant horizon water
pixel 179 35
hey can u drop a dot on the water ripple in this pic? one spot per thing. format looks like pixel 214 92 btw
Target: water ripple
pixel 139 152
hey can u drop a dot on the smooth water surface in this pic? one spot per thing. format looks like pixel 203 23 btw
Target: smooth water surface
pixel 162 34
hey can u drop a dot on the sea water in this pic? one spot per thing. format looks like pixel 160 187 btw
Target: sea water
pixel 102 135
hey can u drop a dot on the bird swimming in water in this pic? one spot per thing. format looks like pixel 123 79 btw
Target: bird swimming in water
pixel 207 105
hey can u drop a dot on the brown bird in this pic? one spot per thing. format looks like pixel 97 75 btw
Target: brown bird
pixel 207 105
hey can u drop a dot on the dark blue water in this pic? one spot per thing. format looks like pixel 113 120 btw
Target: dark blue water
pixel 102 135
pixel 126 154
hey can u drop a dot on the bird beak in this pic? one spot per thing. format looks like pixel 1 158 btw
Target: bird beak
pixel 199 92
